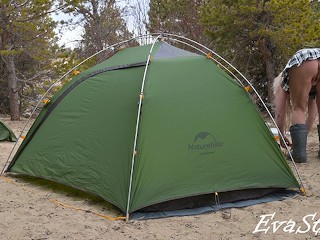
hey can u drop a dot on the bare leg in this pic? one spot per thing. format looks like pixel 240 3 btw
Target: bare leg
pixel 312 113
pixel 281 99
pixel 318 99
pixel 318 105
pixel 300 82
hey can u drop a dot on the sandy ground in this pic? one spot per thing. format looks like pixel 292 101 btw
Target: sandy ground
pixel 27 211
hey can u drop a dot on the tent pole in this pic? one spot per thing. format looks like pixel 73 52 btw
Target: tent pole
pixel 134 152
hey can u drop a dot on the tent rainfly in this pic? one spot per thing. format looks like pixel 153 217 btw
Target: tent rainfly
pixel 155 127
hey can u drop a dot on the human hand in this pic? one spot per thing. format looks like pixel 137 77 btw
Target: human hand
pixel 283 145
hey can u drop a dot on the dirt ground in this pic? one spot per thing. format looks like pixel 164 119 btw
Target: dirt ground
pixel 37 209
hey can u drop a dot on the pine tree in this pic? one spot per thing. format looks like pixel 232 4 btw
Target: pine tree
pixel 102 22
pixel 26 31
pixel 181 17
pixel 260 35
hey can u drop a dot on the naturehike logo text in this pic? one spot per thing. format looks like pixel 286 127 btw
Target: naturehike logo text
pixel 204 143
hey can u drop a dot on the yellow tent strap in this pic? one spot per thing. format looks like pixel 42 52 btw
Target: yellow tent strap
pixel 303 191
pixel 76 72
pixel 88 211
pixel 9 180
pixel 12 182
pixel 64 205
pixel 247 88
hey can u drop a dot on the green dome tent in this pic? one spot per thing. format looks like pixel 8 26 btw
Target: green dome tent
pixel 6 133
pixel 154 124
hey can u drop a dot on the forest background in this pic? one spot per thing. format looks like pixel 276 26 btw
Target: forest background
pixel 256 36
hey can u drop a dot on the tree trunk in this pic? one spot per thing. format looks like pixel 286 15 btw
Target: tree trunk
pixel 6 45
pixel 13 88
pixel 270 66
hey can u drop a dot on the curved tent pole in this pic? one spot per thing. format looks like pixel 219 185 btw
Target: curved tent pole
pixel 134 152
pixel 215 60
pixel 302 189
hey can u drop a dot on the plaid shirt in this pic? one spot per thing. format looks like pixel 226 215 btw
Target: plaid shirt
pixel 297 59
